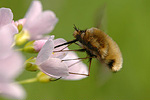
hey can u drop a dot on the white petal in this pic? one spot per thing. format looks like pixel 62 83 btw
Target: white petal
pixel 6 16
pixel 11 66
pixel 34 10
pixel 42 24
pixel 9 28
pixel 59 54
pixel 5 43
pixel 54 67
pixel 45 52
pixel 12 91
pixel 6 39
pixel 79 67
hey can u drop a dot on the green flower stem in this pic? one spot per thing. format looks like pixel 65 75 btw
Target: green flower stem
pixel 28 81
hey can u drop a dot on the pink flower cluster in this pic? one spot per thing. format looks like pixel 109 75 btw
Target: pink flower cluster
pixel 36 23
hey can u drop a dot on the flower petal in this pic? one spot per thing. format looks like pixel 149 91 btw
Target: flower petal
pixel 34 10
pixel 42 24
pixel 38 44
pixel 54 67
pixel 9 28
pixel 45 52
pixel 6 16
pixel 79 67
pixel 11 66
pixel 12 91
pixel 6 39
pixel 59 54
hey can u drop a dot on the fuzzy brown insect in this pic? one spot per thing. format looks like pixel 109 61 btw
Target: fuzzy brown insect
pixel 98 45
pixel 101 46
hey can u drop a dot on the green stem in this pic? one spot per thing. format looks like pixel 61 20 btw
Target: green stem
pixel 28 81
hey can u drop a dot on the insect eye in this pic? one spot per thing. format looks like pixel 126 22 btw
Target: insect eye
pixel 110 63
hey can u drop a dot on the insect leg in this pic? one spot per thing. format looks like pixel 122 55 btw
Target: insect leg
pixel 90 59
pixel 78 74
pixel 82 50
pixel 76 59
pixel 56 79
pixel 80 45
pixel 84 74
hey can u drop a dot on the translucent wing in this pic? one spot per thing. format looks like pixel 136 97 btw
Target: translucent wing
pixel 103 72
pixel 101 18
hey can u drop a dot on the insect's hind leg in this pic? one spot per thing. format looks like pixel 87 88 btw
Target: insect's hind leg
pixel 56 79
pixel 90 60
pixel 81 50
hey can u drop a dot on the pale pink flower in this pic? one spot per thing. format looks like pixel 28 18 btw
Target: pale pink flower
pixel 38 22
pixel 51 62
pixel 10 62
pixel 6 17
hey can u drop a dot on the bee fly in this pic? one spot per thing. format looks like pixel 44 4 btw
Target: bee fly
pixel 98 45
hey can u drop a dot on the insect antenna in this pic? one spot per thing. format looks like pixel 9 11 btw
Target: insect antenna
pixel 76 28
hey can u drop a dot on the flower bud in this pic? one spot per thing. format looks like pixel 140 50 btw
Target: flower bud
pixel 20 26
pixel 30 64
pixel 38 44
pixel 29 47
pixel 34 46
pixel 22 37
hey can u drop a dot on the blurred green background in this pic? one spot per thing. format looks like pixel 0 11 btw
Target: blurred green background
pixel 128 23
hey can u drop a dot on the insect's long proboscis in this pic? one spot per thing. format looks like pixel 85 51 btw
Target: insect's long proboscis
pixel 73 41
